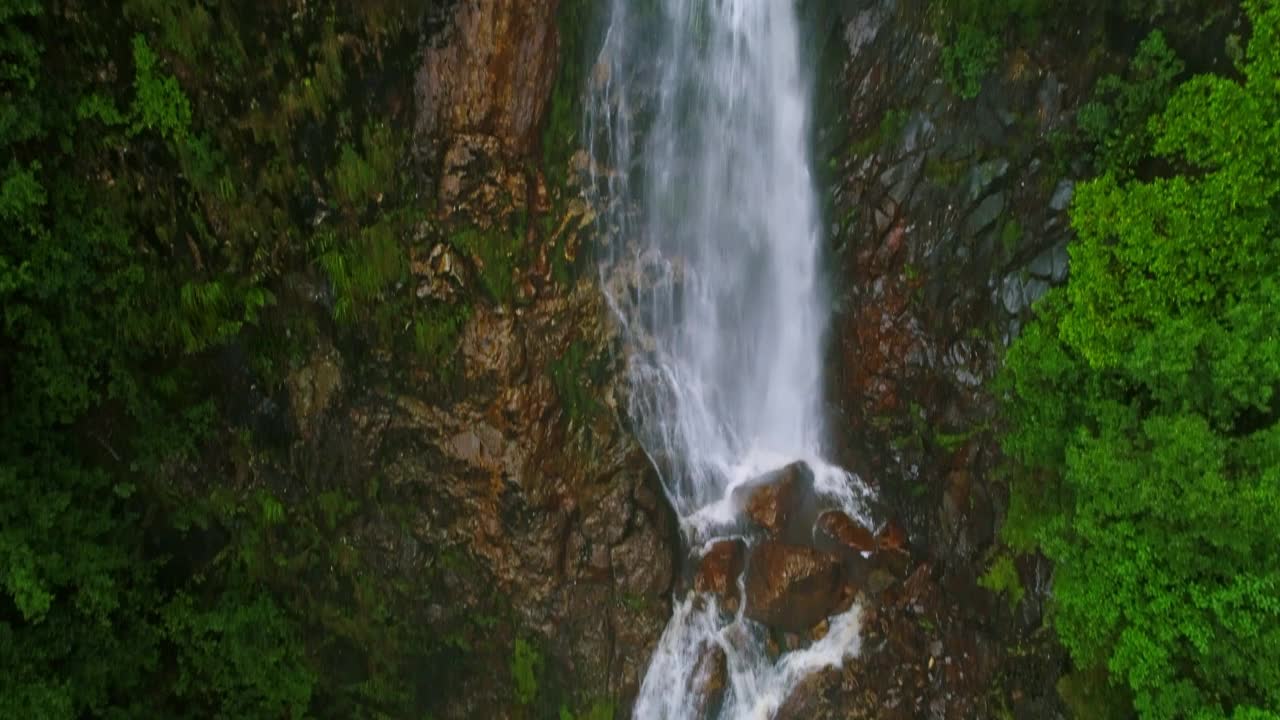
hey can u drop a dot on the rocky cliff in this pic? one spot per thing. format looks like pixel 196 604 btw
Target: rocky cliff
pixel 515 523
pixel 947 221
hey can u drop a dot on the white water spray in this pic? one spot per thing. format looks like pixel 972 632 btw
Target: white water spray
pixel 701 110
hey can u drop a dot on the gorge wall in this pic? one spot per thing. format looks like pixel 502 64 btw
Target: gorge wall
pixel 528 527
pixel 315 404
pixel 947 219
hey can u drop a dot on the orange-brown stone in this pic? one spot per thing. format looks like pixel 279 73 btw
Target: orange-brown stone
pixel 791 587
pixel 847 531
pixel 719 570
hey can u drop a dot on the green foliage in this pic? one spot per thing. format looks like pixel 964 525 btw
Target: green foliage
pixel 975 33
pixel 526 666
pixel 160 104
pixel 171 173
pixel 494 254
pixel 361 269
pixel 436 330
pixel 1143 409
pixel 574 21
pixel 237 659
pixel 967 59
pixel 1002 577
pixel 1090 694
pixel 1114 122
pixel 363 177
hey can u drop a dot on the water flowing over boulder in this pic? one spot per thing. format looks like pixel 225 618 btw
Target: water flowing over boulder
pixel 792 587
pixel 710 678
pixel 777 501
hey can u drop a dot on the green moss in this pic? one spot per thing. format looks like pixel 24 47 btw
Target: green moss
pixel 526 666
pixel 889 129
pixel 575 20
pixel 634 602
pixel 1010 236
pixel 954 441
pixel 436 330
pixel 944 173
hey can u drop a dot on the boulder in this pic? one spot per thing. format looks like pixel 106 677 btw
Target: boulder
pixel 806 699
pixel 719 570
pixel 791 587
pixel 892 538
pixel 847 532
pixel 774 500
pixel 710 679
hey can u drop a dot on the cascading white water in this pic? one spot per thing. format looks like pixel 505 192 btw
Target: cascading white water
pixel 701 110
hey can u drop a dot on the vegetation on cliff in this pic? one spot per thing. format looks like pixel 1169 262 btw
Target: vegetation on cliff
pixel 976 33
pixel 195 197
pixel 1143 404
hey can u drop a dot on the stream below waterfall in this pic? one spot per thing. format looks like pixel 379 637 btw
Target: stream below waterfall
pixel 701 108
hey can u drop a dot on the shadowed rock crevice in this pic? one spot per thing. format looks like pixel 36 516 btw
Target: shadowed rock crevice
pixel 947 221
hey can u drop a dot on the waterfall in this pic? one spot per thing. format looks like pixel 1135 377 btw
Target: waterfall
pixel 698 119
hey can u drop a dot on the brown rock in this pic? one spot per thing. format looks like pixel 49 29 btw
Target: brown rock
pixel 719 570
pixel 806 699
pixel 710 679
pixel 892 538
pixel 494 74
pixel 820 631
pixel 791 588
pixel 847 531
pixel 774 498
pixel 917 588
pixel 312 387
pixel 640 566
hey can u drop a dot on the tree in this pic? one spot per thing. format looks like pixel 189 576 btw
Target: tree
pixel 1143 409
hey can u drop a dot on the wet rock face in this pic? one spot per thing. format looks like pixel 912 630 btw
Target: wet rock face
pixel 719 570
pixel 711 680
pixel 951 221
pixel 804 701
pixel 791 587
pixel 564 519
pixel 495 501
pixel 313 387
pixel 492 73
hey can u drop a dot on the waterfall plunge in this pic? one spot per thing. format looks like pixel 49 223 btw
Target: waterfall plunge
pixel 701 108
